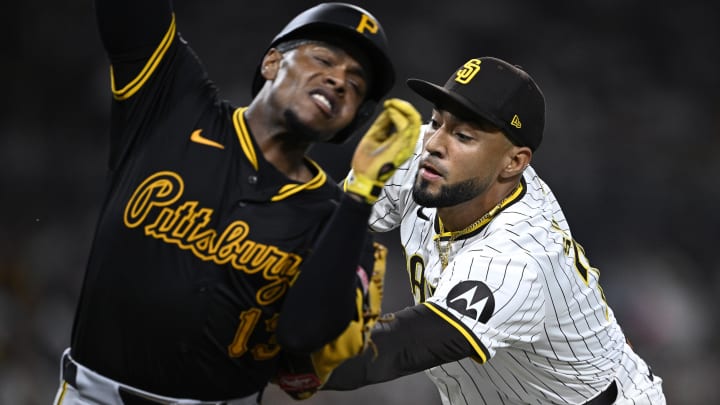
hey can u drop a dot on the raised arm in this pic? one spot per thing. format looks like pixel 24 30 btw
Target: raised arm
pixel 131 31
pixel 131 26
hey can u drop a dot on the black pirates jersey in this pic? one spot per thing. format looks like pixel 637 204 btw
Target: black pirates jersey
pixel 198 241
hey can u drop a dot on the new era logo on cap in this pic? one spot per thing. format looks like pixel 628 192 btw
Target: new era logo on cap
pixel 491 89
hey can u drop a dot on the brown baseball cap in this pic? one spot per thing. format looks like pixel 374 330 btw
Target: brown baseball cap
pixel 494 90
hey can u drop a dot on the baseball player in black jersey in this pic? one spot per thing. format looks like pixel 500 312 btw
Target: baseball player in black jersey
pixel 220 244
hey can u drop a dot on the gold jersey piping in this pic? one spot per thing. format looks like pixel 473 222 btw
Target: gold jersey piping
pixel 131 88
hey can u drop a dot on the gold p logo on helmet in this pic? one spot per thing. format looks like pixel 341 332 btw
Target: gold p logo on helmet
pixel 367 23
pixel 468 71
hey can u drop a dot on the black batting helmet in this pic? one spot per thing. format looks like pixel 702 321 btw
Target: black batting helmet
pixel 344 23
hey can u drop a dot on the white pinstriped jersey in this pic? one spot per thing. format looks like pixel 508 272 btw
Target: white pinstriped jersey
pixel 523 293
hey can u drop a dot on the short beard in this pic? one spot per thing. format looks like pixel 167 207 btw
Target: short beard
pixel 301 132
pixel 452 194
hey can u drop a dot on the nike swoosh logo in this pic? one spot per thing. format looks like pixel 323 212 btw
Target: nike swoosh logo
pixel 198 138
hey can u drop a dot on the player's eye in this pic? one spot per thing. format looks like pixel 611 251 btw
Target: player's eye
pixel 323 61
pixel 434 124
pixel 356 86
pixel 463 137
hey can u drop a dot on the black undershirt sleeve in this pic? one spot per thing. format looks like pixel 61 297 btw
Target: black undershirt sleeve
pixel 406 342
pixel 321 303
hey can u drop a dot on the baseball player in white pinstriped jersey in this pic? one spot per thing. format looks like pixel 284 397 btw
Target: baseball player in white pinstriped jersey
pixel 508 308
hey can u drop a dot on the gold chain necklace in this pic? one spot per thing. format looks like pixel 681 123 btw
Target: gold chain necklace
pixel 444 250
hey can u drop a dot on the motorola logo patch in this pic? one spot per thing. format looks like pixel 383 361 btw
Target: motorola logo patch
pixel 473 299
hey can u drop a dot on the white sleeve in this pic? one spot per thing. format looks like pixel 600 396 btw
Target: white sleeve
pixel 495 301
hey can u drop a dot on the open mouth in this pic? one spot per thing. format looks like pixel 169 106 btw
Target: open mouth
pixel 429 171
pixel 323 101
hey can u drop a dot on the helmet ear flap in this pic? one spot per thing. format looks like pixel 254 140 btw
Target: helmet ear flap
pixel 364 114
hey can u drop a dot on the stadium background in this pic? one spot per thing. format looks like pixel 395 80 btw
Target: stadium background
pixel 631 150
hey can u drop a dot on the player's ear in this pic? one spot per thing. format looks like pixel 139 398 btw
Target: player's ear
pixel 270 64
pixel 518 158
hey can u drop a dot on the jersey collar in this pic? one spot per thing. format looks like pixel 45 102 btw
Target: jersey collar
pixel 285 188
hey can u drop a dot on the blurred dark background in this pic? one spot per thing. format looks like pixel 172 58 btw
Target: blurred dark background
pixel 631 146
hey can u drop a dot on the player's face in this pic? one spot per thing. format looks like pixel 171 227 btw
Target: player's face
pixel 318 89
pixel 461 161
